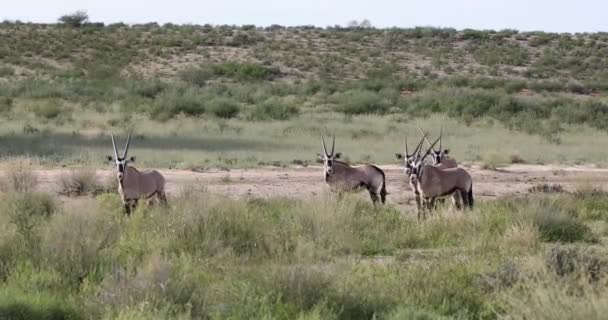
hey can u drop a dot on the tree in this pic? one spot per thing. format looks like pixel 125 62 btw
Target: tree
pixel 75 20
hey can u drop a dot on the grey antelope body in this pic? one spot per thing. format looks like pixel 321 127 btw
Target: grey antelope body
pixel 341 177
pixel 432 182
pixel 133 184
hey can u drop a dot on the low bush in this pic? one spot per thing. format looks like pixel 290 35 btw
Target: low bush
pixel 274 109
pixel 223 108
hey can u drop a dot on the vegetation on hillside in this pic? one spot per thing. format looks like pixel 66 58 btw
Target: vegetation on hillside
pixel 532 81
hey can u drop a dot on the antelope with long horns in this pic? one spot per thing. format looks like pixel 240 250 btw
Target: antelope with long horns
pixel 133 184
pixel 409 159
pixel 440 157
pixel 432 182
pixel 341 177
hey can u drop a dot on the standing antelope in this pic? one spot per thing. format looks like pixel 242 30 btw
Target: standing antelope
pixel 133 184
pixel 409 160
pixel 432 182
pixel 341 177
pixel 440 157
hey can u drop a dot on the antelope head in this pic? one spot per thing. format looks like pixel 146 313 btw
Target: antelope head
pixel 416 165
pixel 329 158
pixel 121 162
pixel 437 154
pixel 409 157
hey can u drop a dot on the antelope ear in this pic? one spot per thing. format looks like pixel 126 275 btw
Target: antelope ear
pixel 320 156
pixel 446 151
pixel 338 155
pixel 132 159
pixel 110 158
pixel 399 156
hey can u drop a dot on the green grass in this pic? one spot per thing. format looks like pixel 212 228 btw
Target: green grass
pixel 227 143
pixel 213 257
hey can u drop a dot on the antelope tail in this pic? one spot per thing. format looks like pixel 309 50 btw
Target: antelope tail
pixel 470 197
pixel 383 192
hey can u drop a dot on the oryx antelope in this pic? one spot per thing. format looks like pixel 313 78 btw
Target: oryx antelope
pixel 134 184
pixel 409 159
pixel 341 177
pixel 432 182
pixel 440 157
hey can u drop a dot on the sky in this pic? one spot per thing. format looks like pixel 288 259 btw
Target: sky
pixel 524 15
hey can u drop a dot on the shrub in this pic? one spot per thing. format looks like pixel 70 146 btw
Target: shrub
pixel 274 109
pixel 76 243
pixel 361 102
pixel 177 101
pixel 6 71
pixel 26 211
pixel 556 225
pixel 6 105
pixel 48 109
pixel 75 20
pixel 19 178
pixel 224 108
pixel 196 76
pixel 79 182
pixel 19 304
pixel 244 71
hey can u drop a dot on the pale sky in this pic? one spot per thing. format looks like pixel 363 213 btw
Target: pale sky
pixel 523 15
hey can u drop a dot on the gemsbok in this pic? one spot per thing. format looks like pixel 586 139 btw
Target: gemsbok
pixel 440 157
pixel 409 160
pixel 134 184
pixel 341 177
pixel 432 182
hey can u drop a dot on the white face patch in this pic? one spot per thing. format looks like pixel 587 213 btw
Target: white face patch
pixel 121 166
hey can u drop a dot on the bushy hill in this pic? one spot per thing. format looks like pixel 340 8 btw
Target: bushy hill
pixel 277 72
pixel 302 53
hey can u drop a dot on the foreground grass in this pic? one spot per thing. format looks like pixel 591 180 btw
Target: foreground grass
pixel 212 257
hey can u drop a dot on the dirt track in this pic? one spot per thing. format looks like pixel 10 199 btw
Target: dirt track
pixel 308 182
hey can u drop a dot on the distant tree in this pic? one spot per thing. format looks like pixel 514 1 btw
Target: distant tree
pixel 75 20
pixel 363 24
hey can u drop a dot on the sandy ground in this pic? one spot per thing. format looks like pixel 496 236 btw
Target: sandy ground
pixel 308 182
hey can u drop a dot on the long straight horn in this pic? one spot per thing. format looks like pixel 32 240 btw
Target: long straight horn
pixel 124 154
pixel 425 137
pixel 405 142
pixel 429 150
pixel 440 134
pixel 114 147
pixel 324 148
pixel 419 147
pixel 333 145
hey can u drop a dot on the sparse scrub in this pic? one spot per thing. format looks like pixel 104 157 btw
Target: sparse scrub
pixel 19 177
pixel 290 258
pixel 78 182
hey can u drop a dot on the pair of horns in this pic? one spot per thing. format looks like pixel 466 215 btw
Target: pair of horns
pixel 429 150
pixel 427 139
pixel 333 145
pixel 124 153
pixel 417 150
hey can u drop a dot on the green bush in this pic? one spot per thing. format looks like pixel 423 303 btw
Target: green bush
pixel 196 76
pixel 49 109
pixel 19 304
pixel 274 109
pixel 360 102
pixel 178 100
pixel 243 71
pixel 224 108
pixel 555 224
pixel 6 71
